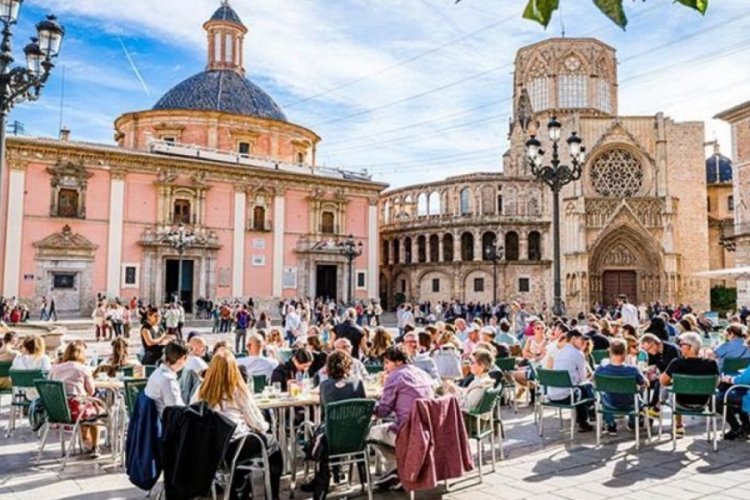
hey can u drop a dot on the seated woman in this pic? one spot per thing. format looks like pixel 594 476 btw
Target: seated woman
pixel 381 341
pixel 292 369
pixel 32 355
pixel 76 376
pixel 117 360
pixel 482 361
pixel 315 346
pixel 225 392
pixel 340 385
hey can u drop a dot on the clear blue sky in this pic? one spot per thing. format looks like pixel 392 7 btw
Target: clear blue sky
pixel 413 89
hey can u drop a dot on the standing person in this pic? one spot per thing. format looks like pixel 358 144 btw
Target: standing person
pixel 292 324
pixel 242 321
pixel 127 320
pixel 151 337
pixel 43 316
pixel 224 391
pixel 628 312
pixel 172 319
pixel 378 312
pixel 180 319
pixel 52 311
pixel 99 315
pixel 349 330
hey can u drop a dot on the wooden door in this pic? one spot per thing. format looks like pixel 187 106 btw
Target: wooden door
pixel 615 283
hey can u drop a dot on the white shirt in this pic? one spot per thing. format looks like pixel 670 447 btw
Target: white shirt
pixel 164 389
pixel 570 359
pixel 196 364
pixel 28 362
pixel 550 353
pixel 629 315
pixel 258 365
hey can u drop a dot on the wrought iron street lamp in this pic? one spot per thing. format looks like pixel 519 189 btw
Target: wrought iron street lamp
pixel 495 254
pixel 350 250
pixel 18 84
pixel 180 239
pixel 556 175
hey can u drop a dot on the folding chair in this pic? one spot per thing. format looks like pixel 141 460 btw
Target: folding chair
pixel 21 382
pixel 694 385
pixel 480 425
pixel 558 379
pixel 625 386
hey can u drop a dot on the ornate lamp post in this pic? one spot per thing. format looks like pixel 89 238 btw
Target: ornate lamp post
pixel 18 84
pixel 495 254
pixel 180 239
pixel 556 176
pixel 350 250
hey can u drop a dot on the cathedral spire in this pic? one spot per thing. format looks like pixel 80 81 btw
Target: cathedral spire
pixel 226 34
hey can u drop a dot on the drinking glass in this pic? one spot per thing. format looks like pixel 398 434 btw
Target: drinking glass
pixel 276 386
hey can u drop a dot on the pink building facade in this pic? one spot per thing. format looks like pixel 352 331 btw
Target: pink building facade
pixel 215 154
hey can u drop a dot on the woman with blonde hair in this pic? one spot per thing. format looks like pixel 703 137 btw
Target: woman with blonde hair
pixel 225 392
pixel 381 341
pixel 32 355
pixel 79 387
pixel 117 360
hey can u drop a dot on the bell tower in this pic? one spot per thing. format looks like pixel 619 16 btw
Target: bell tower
pixel 226 35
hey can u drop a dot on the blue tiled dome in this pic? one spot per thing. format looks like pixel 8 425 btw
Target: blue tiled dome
pixel 718 169
pixel 226 13
pixel 221 90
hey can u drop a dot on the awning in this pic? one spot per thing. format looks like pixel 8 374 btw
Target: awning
pixel 732 273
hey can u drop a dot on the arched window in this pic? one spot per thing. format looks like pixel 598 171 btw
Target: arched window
pixel 465 202
pixel 511 245
pixel 488 245
pixel 181 211
pixel 386 251
pixel 327 223
pixel 571 87
pixel 259 218
pixel 396 252
pixel 407 250
pixel 434 250
pixel 421 249
pixel 535 245
pixel 434 204
pixel 488 200
pixel 467 246
pixel 447 247
pixel 422 209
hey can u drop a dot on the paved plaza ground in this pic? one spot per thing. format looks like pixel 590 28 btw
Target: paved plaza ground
pixel 533 467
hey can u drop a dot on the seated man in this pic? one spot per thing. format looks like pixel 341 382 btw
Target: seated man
pixel 571 359
pixel 420 356
pixel 358 369
pixel 660 355
pixel 163 386
pixel 505 337
pixel 618 368
pixel 404 384
pixel 690 364
pixel 735 346
pixel 255 362
pixel 195 360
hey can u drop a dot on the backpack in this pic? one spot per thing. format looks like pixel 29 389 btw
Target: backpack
pixel 37 414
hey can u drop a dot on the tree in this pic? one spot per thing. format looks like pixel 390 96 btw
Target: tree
pixel 541 10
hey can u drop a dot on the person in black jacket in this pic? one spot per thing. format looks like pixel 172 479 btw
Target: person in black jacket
pixel 299 364
pixel 348 329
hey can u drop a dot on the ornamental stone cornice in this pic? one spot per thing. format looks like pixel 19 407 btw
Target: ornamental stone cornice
pixel 20 165
pixel 65 245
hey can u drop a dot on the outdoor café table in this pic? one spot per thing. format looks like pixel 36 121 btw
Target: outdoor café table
pixel 286 405
pixel 116 412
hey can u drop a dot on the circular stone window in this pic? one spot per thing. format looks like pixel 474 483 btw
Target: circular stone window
pixel 617 173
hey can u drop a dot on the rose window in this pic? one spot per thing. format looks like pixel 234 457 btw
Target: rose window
pixel 617 173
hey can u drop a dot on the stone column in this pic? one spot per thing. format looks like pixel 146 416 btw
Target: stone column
pixel 238 240
pixel 456 247
pixel 478 246
pixel 278 243
pixel 114 238
pixel 372 249
pixel 441 256
pixel 14 228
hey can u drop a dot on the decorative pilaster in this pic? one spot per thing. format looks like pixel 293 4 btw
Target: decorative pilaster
pixel 114 238
pixel 278 242
pixel 238 240
pixel 14 228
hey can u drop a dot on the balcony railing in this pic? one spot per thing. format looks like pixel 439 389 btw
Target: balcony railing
pixel 264 225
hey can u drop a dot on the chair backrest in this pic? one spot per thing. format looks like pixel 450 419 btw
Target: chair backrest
pixel 127 371
pixel 488 402
pixel 731 365
pixel 55 400
pixel 259 383
pixel 374 369
pixel 506 364
pixel 133 387
pixel 5 369
pixel 599 354
pixel 24 379
pixel 695 385
pixel 615 384
pixel 554 378
pixel 149 369
pixel 347 424
pixel 285 355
